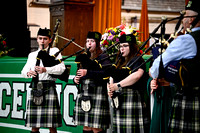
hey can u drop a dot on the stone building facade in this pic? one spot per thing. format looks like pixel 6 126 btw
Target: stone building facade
pixel 131 9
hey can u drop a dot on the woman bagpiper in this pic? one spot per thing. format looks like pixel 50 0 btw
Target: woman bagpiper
pixel 92 107
pixel 130 116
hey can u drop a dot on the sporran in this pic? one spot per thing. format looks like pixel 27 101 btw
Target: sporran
pixel 86 104
pixel 115 103
pixel 38 94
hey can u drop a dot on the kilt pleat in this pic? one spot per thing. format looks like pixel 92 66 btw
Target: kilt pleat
pixel 99 115
pixel 185 115
pixel 46 115
pixel 131 117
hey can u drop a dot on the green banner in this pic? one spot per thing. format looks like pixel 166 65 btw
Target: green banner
pixel 14 93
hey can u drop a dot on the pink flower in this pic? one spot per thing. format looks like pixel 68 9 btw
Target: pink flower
pixel 110 37
pixel 122 26
pixel 117 39
pixel 104 36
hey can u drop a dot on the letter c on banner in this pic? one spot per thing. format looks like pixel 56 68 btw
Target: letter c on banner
pixel 4 112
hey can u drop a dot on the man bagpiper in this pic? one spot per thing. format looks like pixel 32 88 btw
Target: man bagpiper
pixel 43 109
pixel 186 48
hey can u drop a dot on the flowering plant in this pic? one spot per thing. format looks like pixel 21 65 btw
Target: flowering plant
pixel 4 49
pixel 112 35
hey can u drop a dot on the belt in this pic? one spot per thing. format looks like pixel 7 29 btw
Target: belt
pixel 46 84
pixel 196 88
pixel 126 89
pixel 46 81
pixel 190 91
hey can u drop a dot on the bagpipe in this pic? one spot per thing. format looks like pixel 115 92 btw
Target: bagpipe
pixel 35 79
pixel 170 73
pixel 180 72
pixel 119 74
pixel 84 61
pixel 51 60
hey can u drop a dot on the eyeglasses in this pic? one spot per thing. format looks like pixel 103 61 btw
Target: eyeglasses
pixel 124 46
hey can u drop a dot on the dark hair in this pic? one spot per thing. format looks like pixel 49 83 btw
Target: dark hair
pixel 133 50
pixel 98 49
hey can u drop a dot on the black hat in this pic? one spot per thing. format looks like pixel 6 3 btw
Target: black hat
pixel 44 32
pixel 94 35
pixel 127 38
pixel 193 5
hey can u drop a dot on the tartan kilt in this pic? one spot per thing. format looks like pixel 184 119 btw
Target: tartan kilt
pixel 48 114
pixel 185 114
pixel 99 114
pixel 131 116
